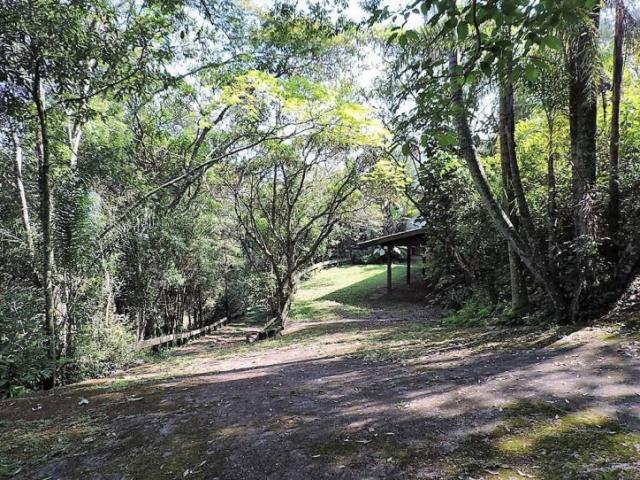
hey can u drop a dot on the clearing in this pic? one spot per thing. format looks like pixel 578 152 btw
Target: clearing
pixel 361 386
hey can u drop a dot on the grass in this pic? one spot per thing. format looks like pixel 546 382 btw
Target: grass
pixel 26 443
pixel 348 292
pixel 342 292
pixel 410 340
pixel 541 441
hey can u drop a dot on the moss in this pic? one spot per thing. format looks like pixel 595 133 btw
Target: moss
pixel 528 408
pixel 550 443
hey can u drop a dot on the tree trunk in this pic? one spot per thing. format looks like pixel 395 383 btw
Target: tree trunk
pixel 583 122
pixel 552 205
pixel 501 220
pixel 74 131
pixel 583 128
pixel 26 221
pixel 43 153
pixel 614 146
pixel 519 294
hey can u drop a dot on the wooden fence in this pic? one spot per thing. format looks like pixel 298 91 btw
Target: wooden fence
pixel 321 265
pixel 179 337
pixel 270 329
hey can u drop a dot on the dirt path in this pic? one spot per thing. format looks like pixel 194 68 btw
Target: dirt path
pixel 385 395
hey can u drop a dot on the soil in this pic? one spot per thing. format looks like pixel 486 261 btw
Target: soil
pixel 325 407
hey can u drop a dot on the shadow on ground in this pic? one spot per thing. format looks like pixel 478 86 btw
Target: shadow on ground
pixel 564 411
pixel 389 395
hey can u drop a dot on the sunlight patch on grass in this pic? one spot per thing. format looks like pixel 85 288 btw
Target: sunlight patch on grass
pixel 341 292
pixel 548 442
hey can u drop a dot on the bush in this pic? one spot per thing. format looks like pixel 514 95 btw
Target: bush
pixel 23 346
pixel 473 313
pixel 104 347
pixel 360 257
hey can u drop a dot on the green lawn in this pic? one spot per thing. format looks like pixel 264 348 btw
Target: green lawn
pixel 343 291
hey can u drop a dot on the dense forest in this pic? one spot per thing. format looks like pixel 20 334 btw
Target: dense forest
pixel 166 163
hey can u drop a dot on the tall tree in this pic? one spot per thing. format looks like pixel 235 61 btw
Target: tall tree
pixel 527 251
pixel 583 121
pixel 614 141
pixel 51 49
pixel 510 172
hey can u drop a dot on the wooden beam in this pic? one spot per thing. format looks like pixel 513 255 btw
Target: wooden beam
pixel 164 339
pixel 388 269
pixel 408 264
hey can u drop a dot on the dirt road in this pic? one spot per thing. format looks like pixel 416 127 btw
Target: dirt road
pixel 386 395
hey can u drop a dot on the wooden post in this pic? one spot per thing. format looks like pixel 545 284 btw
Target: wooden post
pixel 408 264
pixel 388 268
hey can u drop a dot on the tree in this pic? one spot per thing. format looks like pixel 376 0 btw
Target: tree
pixel 511 174
pixel 292 192
pixel 60 57
pixel 614 142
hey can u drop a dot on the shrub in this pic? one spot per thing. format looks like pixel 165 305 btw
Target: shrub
pixel 103 347
pixel 473 313
pixel 23 346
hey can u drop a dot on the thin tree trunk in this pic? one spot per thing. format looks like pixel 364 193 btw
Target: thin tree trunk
pixel 26 220
pixel 43 153
pixel 75 134
pixel 109 292
pixel 519 294
pixel 534 263
pixel 614 146
pixel 552 205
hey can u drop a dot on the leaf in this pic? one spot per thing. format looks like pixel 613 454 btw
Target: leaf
pixel 463 30
pixel 531 72
pixel 553 42
pixel 405 149
pixel 472 77
pixel 446 139
pixel 412 35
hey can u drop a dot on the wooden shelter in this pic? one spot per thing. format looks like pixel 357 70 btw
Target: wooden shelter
pixel 409 239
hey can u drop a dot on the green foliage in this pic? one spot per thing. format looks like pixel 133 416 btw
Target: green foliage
pixel 474 313
pixel 23 360
pixel 103 347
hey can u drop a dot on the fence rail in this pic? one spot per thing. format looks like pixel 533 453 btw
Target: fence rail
pixel 163 339
pixel 327 263
pixel 271 328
